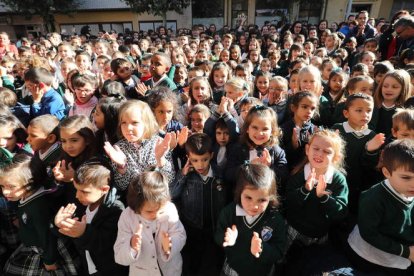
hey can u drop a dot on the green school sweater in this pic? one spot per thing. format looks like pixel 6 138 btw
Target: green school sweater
pixel 357 159
pixel 386 221
pixel 271 229
pixel 311 215
pixel 35 218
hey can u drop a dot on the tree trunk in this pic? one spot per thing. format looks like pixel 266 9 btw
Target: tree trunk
pixel 164 19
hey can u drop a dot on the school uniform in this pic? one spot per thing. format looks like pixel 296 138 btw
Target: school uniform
pixel 338 115
pixel 325 115
pixel 240 154
pixel 309 216
pixel 218 93
pixel 358 160
pixel 96 245
pixel 151 259
pixel 271 229
pixel 39 245
pixel 43 164
pixel 294 156
pixel 163 81
pixel 200 200
pixel 221 152
pixel 385 229
pixel 280 110
pixel 381 120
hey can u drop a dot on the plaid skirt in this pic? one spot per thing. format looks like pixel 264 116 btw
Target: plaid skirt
pixel 9 237
pixel 27 261
pixel 294 236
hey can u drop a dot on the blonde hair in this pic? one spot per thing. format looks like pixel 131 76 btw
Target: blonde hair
pixel 338 145
pixel 310 69
pixel 238 84
pixel 148 120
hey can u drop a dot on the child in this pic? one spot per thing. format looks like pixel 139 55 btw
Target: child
pixel 336 83
pixel 382 242
pixel 278 89
pixel 84 63
pixel 150 234
pixel 310 80
pixel 122 69
pixel 201 194
pixel 77 139
pixel 224 56
pixel 258 144
pixel 198 116
pixel 327 66
pixel 317 193
pixel 368 58
pixel 299 128
pixel 45 99
pixel 359 84
pixel 403 124
pixel 380 70
pixel 218 77
pixel 160 65
pixel 261 87
pixel 237 90
pixel 362 144
pixel 95 232
pixel 245 106
pixel 140 148
pixel 265 66
pixel 43 137
pixel 144 67
pixel 41 251
pixel 12 138
pixel 359 69
pixel 106 121
pixel 85 101
pixel 251 229
pixel 180 78
pixel 164 104
pixel 392 93
pixel 293 82
pixel 223 129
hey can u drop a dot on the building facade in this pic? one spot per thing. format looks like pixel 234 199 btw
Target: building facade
pixel 115 14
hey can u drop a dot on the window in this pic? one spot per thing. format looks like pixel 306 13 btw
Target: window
pixel 153 25
pixel 119 27
pixel 208 12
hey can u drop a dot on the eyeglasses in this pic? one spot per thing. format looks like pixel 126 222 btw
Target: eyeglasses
pixel 84 90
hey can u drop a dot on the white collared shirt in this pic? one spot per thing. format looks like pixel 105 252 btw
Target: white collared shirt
pixel 209 174
pixel 160 80
pixel 240 212
pixel 328 175
pixel 43 156
pixel 358 133
pixel 89 217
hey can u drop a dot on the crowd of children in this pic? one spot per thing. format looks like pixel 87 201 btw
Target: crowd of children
pixel 250 153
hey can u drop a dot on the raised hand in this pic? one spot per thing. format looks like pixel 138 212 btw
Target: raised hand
pixel 321 187
pixel 142 89
pixel 166 243
pixel 62 173
pixel 115 154
pixel 182 136
pixel 223 106
pixel 376 142
pixel 136 239
pixel 73 227
pixel 162 146
pixel 64 213
pixel 256 245
pixel 309 184
pixel 186 167
pixel 230 236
